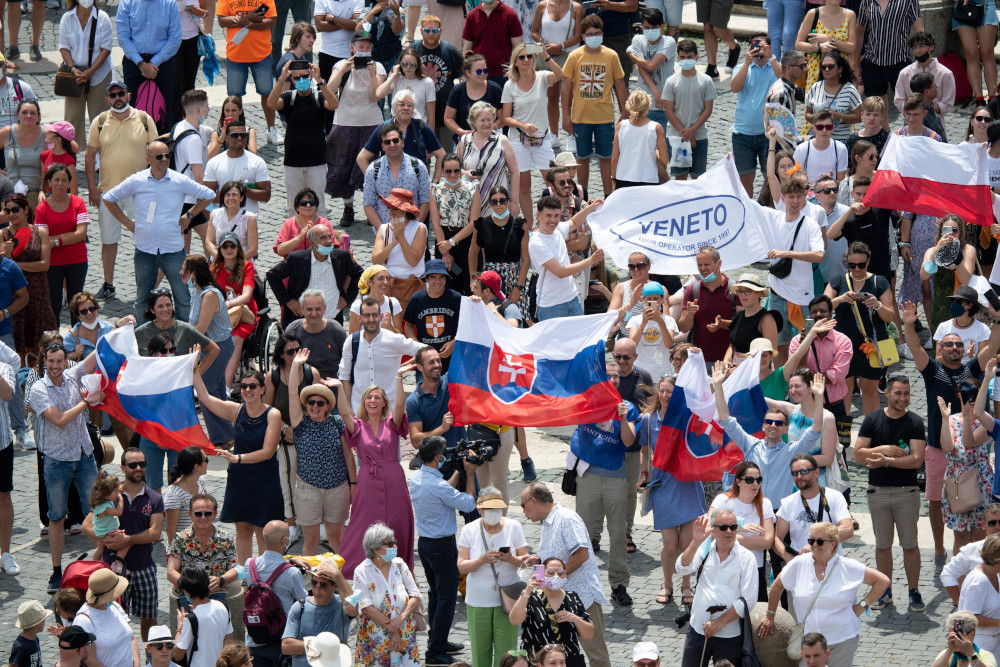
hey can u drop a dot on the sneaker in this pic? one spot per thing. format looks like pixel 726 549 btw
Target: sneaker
pixel 347 219
pixel 621 596
pixel 36 53
pixel 939 561
pixel 9 565
pixel 13 53
pixel 734 56
pixel 107 291
pixel 322 534
pixel 528 469
pixel 453 647
pixel 904 351
pixel 27 442
pixel 43 530
pixel 883 601
pixel 75 529
pixel 293 534
pixel 916 602
pixel 596 545
pixel 274 136
pixel 55 583
pixel 712 71
pixel 443 659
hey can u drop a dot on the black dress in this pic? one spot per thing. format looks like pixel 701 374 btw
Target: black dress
pixel 847 322
pixel 253 490
pixel 537 629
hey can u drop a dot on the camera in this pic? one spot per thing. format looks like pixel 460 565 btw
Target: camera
pixel 476 452
pixel 968 392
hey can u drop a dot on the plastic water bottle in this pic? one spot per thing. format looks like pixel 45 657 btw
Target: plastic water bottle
pixel 395 658
pixel 241 573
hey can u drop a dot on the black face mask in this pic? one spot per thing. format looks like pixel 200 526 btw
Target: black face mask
pixel 923 57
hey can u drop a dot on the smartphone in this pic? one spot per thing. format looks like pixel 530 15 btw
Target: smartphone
pixel 538 572
pixel 298 65
pixel 261 10
pixel 533 49
pixel 959 626
pixel 504 550
pixel 866 295
pixel 992 299
pixel 588 4
pixel 652 304
pixel 476 173
pixel 808 325
pixel 361 62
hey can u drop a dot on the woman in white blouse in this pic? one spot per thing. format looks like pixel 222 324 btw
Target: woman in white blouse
pixel 820 578
pixel 981 595
pixel 74 47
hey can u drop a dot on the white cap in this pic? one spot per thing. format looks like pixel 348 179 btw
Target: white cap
pixel 645 651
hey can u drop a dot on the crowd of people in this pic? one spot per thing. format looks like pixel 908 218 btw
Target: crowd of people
pixel 439 118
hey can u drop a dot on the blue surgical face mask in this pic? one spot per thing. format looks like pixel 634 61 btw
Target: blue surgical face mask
pixel 710 277
pixel 390 553
pixel 451 182
pixel 930 267
pixel 687 64
pixel 652 34
pixel 324 249
pixel 501 216
pixel 303 85
pixel 191 284
pixel 594 41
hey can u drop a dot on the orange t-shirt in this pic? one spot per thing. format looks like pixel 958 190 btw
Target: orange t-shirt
pixel 257 44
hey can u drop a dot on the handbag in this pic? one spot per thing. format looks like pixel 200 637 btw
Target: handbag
pixel 569 480
pixel 884 352
pixel 783 267
pixel 749 654
pixel 506 603
pixel 965 492
pixel 794 648
pixel 240 315
pixel 969 13
pixel 647 487
pixel 65 83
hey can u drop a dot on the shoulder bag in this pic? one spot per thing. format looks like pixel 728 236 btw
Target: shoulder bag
pixel 418 614
pixel 969 13
pixel 749 654
pixel 569 479
pixel 506 603
pixel 884 353
pixel 794 649
pixel 783 267
pixel 65 83
pixel 965 492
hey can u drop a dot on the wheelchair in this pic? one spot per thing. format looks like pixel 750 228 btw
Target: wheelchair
pixel 258 348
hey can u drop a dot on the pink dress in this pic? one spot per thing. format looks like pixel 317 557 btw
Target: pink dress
pixel 382 493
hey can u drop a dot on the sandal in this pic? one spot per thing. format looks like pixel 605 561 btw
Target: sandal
pixel 630 545
pixel 666 595
pixel 687 598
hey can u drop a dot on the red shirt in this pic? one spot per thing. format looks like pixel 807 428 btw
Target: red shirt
pixel 291 228
pixel 491 34
pixel 64 223
pixel 226 281
pixel 48 157
pixel 710 304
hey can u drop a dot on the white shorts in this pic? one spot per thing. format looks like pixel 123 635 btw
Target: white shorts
pixel 111 229
pixel 527 156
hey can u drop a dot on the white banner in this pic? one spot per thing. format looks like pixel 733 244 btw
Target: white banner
pixel 670 222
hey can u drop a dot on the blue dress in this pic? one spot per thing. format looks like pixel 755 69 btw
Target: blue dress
pixel 674 503
pixel 253 490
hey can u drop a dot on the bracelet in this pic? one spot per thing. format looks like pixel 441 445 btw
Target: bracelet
pixel 239 458
pixel 771 613
pixel 904 244
pixel 351 483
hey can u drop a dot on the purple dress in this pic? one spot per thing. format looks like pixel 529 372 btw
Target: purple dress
pixel 382 494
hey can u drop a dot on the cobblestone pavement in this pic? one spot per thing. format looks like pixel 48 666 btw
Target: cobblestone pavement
pixel 892 637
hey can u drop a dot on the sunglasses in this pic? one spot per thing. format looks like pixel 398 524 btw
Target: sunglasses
pixel 159 646
pixel 827 191
pixel 519 652
pixel 318 583
pixel 829 66
pixel 825 127
pixel 431 31
pixel 203 514
pixel 857 265
pixel 290 352
pixel 526 56
pixel 623 357
pixel 638 266
pixel 249 386
pixel 309 202
pixel 552 572
pixel 727 526
pixel 796 473
pixel 992 522
pixel 168 350
pixel 389 543
pixel 408 65
pixel 481 72
pixel 564 182
pixel 113 96
pixel 12 209
pixel 239 135
pixel 132 465
pixel 391 142
pixel 296 78
pixel 160 156
pixel 88 311
pixel 952 343
pixel 452 171
pixel 502 201
pixel 774 422
pixel 752 480
pixel 982 119
pixel 818 541
pixel 316 402
pixel 228 246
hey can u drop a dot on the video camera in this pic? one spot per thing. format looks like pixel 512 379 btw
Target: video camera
pixel 476 452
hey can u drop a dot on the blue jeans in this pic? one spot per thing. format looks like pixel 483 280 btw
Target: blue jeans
pixel 661 118
pixel 783 20
pixel 146 266
pixel 219 429
pixel 58 477
pixel 154 462
pixel 16 404
pixel 439 557
pixel 237 75
pixel 568 309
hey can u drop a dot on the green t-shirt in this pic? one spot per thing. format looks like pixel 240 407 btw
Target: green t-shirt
pixel 775 386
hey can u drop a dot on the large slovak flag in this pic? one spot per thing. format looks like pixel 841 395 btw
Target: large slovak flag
pixel 552 374
pixel 921 175
pixel 153 396
pixel 692 446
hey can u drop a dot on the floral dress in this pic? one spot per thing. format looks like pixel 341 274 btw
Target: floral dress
pixel 454 205
pixel 961 459
pixel 37 317
pixel 923 235
pixel 388 597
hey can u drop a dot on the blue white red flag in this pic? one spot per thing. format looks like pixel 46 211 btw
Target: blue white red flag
pixel 552 374
pixel 153 396
pixel 692 446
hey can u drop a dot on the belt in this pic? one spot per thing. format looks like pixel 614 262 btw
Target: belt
pixel 438 539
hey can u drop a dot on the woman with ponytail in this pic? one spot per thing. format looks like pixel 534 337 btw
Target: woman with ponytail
pixel 185 481
pixel 645 144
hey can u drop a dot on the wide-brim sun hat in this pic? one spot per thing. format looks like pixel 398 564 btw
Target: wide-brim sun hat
pixel 317 390
pixel 490 501
pixel 402 200
pixel 105 586
pixel 749 281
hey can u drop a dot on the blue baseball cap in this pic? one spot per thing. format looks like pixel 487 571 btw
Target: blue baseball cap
pixel 115 83
pixel 653 288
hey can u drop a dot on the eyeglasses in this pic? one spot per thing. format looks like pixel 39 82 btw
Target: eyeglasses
pixel 431 31
pixel 796 473
pixel 982 119
pixel 159 646
pixel 316 402
pixel 825 127
pixel 526 56
pixel 11 210
pixel 818 541
pixel 248 386
pixel 774 422
pixel 239 135
pixel 452 171
pixel 309 202
pixel 87 311
pixel 727 526
pixel 389 543
pixel 827 191
pixel 992 522
pixel 952 343
pixel 752 480
pixel 121 93
pixel 290 351
pixel 623 357
pixel 638 266
pixel 857 265
pixel 829 66
pixel 408 65
pixel 563 182
pixel 502 201
pixel 132 465
pixel 203 514
pixel 391 142
pixel 160 156
pixel 481 72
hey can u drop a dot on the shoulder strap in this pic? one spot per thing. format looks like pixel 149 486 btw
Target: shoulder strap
pixel 193 618
pixel 18 92
pixel 482 531
pixel 355 346
pixel 829 572
pixel 277 573
pixel 93 34
pixel 254 577
pixel 815 20
pixel 795 237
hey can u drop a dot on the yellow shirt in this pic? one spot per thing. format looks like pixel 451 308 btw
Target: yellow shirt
pixel 257 44
pixel 122 145
pixel 593 78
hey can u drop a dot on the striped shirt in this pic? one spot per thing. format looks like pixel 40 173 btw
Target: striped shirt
pixel 886 31
pixel 71 442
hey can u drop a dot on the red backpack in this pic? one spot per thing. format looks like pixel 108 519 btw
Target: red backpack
pixel 956 65
pixel 263 615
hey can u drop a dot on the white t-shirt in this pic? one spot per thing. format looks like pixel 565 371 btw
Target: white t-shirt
pixel 552 290
pixel 248 168
pixel 833 614
pixel 189 22
pixel 979 597
pixel 791 510
pixel 814 211
pixel 993 169
pixel 387 309
pixel 797 287
pixel 114 634
pixel 480 588
pixel 817 162
pixel 214 623
pixel 653 355
pixel 423 92
pixel 188 151
pixel 972 336
pixel 337 43
pixel 748 513
pixel 641 47
pixel 528 107
pixel 356 108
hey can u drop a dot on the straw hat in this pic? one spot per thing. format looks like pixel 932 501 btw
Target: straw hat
pixel 317 389
pixel 105 586
pixel 490 501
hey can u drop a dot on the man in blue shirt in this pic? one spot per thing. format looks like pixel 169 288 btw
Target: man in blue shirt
pixel 13 299
pixel 751 83
pixel 149 32
pixel 434 503
pixel 427 407
pixel 601 488
pixel 323 611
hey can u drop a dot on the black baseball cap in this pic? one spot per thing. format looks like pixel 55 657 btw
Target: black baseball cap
pixel 74 637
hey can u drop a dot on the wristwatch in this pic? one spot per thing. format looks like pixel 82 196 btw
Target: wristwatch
pixel 520 287
pixel 863 603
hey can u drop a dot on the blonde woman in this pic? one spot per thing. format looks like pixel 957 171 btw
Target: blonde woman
pixel 524 108
pixel 643 141
pixel 487 156
pixel 375 282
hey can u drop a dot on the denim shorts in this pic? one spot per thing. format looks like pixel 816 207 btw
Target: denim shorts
pixel 567 309
pixel 750 151
pixel 778 303
pixel 590 137
pixel 699 160
pixel 59 475
pixel 237 75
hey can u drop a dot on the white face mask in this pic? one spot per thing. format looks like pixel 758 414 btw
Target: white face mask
pixel 555 583
pixel 491 517
pixel 86 4
pixel 90 325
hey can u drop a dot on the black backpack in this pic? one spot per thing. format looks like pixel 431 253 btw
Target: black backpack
pixel 172 144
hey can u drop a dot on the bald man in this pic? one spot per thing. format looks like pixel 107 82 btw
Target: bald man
pixel 157 194
pixel 288 587
pixel 635 386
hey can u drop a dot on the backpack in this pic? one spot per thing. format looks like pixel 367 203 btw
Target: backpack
pixel 103 118
pixel 956 64
pixel 172 144
pixel 149 98
pixel 263 615
pixel 355 346
pixel 377 166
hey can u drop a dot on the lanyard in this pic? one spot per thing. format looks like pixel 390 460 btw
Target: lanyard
pixel 822 503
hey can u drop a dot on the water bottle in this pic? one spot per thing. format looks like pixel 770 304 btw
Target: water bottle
pixel 395 658
pixel 241 573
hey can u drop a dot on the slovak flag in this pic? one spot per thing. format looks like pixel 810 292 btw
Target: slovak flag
pixel 692 446
pixel 921 175
pixel 153 396
pixel 552 374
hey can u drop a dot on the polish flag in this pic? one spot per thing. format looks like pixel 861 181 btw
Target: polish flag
pixel 921 175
